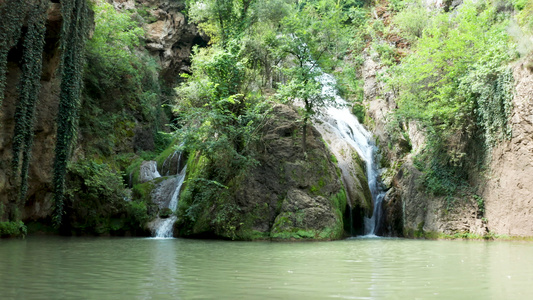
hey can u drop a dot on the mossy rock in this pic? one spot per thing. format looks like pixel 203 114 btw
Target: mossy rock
pixel 287 195
pixel 165 213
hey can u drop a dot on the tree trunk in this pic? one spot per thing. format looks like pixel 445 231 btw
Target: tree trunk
pixel 304 148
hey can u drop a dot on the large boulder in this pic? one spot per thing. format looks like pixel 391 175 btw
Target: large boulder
pixel 288 195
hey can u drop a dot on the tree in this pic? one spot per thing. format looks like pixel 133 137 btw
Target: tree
pixel 303 84
pixel 223 20
pixel 305 44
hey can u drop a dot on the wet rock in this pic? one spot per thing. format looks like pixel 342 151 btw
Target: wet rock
pixel 148 171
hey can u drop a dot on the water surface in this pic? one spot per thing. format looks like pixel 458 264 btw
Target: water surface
pixel 136 268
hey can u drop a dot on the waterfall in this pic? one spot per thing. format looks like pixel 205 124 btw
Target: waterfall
pixel 163 228
pixel 149 171
pixel 172 163
pixel 345 126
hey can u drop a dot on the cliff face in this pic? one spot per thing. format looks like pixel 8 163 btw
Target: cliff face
pixel 38 203
pixel 508 192
pixel 169 38
pixel 505 204
pixel 407 208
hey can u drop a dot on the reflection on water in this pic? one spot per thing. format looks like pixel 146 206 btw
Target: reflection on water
pixel 130 268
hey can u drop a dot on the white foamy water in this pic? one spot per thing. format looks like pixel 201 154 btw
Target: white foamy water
pixel 346 126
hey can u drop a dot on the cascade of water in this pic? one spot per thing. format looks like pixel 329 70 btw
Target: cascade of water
pixel 167 164
pixel 164 228
pixel 149 171
pixel 348 128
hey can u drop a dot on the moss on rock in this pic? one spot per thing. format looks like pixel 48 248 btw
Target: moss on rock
pixel 288 195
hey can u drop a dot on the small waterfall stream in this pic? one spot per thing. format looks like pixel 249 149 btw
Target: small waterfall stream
pixel 166 195
pixel 165 227
pixel 346 126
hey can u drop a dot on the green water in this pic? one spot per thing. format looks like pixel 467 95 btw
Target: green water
pixel 135 268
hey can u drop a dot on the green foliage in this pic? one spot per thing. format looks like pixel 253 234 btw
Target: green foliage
pixel 110 51
pixel 306 45
pixel 138 214
pixel 117 68
pixel 222 20
pixel 28 89
pixel 525 17
pixel 453 85
pixel 74 34
pixel 412 20
pixel 222 120
pixel 13 229
pixel 165 213
pixel 94 182
pixel 480 203
pixel 352 42
pixel 520 4
pixel 96 201
pixel 13 13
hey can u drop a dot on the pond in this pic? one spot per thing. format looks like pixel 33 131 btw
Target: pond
pixel 358 268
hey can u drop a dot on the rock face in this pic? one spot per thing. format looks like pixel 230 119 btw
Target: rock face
pixel 38 203
pixel 353 176
pixel 289 195
pixel 407 209
pixel 148 171
pixel 506 202
pixel 508 192
pixel 169 37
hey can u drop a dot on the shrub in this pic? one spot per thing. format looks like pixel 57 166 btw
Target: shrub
pixel 412 20
pixel 13 229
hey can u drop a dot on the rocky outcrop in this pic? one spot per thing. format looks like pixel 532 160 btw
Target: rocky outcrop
pixel 353 175
pixel 424 215
pixel 169 39
pixel 408 210
pixel 38 203
pixel 508 193
pixel 148 171
pixel 169 36
pixel 505 202
pixel 288 195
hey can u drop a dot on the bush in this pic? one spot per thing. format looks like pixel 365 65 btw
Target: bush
pixel 13 229
pixel 95 182
pixel 412 20
pixel 96 201
pixel 165 213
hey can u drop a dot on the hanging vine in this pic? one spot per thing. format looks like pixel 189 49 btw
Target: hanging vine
pixel 13 13
pixel 74 34
pixel 28 89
